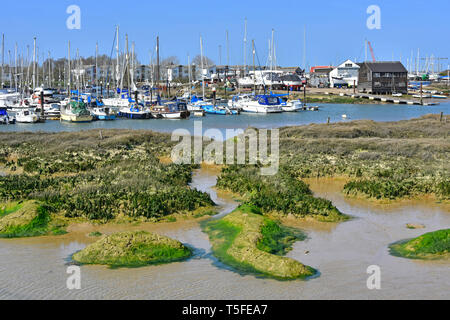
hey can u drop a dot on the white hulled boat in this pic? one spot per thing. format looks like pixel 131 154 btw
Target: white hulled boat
pixel 262 104
pixel 26 116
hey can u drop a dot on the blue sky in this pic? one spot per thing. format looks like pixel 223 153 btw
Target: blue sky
pixel 335 29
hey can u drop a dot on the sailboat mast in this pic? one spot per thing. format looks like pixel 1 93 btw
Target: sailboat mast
pixel 15 66
pixel 157 66
pixel 245 47
pixel 271 62
pixel 69 78
pixel 34 64
pixel 118 77
pixel 201 64
pixel 96 65
pixel 190 77
pixel 254 69
pixel 3 59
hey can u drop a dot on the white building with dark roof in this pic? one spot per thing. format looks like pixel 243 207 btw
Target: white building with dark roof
pixel 345 75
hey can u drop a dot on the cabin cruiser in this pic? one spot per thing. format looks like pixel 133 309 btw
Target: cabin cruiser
pixel 236 102
pixel 5 118
pixel 52 111
pixel 262 104
pixel 75 111
pixel 26 116
pixel 292 106
pixel 7 100
pixel 134 111
pixel 103 113
pixel 171 110
pixel 48 92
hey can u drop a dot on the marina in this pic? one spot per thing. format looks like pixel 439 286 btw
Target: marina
pixel 246 120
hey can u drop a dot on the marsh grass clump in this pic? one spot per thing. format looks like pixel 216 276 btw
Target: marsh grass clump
pixel 281 194
pixel 254 244
pixel 29 219
pixel 430 246
pixel 133 249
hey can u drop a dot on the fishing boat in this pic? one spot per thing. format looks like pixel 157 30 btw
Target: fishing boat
pixel 171 110
pixel 76 111
pixel 26 116
pixel 135 111
pixel 263 104
pixel 5 118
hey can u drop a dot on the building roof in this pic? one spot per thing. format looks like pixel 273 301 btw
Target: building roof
pixel 324 68
pixel 385 66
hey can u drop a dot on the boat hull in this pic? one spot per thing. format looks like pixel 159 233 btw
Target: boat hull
pixel 264 110
pixel 76 118
pixel 105 117
pixel 132 115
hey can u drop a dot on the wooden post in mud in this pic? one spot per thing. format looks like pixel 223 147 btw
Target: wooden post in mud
pixel 304 95
pixel 421 94
pixel 42 104
pixel 442 117
pixel 328 121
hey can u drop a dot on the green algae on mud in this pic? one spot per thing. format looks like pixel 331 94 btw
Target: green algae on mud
pixel 430 246
pixel 250 242
pixel 133 249
pixel 27 219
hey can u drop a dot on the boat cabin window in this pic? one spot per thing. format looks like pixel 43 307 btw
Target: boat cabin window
pixel 272 100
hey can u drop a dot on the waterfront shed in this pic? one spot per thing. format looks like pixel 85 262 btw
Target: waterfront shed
pixel 384 77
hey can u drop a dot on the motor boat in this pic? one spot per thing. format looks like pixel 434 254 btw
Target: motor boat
pixel 134 111
pixel 220 110
pixel 5 118
pixel 103 113
pixel 263 104
pixel 52 111
pixel 26 116
pixel 171 110
pixel 292 106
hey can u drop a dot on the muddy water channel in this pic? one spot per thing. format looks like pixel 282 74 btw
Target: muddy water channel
pixel 36 268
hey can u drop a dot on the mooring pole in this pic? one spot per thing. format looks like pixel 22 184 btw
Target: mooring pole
pixel 421 94
pixel 42 105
